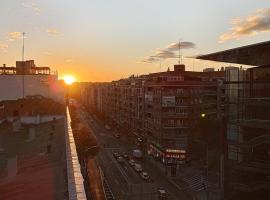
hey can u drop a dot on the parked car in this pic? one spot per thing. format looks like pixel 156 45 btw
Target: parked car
pixel 117 135
pixel 137 167
pixel 144 176
pixel 125 155
pixel 120 159
pixel 162 194
pixel 131 162
pixel 137 153
pixel 107 127
pixel 116 155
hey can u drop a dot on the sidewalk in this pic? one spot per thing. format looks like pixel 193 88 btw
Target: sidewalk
pixel 190 179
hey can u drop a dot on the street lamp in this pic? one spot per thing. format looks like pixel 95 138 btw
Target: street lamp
pixel 206 167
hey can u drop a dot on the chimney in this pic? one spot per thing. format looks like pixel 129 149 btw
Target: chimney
pixel 179 68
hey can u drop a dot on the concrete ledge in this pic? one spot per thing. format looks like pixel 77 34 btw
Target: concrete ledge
pixel 75 180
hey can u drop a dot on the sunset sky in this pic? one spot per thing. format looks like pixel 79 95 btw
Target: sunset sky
pixel 103 40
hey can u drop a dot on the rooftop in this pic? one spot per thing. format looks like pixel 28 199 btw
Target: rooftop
pixel 37 152
pixel 27 67
pixel 29 169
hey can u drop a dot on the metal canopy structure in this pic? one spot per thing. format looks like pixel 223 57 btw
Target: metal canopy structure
pixel 256 55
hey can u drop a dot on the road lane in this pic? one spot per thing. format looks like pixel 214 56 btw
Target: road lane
pixel 106 137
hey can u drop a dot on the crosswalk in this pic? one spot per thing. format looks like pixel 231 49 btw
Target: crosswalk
pixel 195 182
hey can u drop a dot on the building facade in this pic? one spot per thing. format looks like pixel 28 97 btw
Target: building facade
pixel 162 109
pixel 26 79
pixel 248 133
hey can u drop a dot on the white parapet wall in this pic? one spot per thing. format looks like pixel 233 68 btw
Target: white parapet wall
pixel 75 179
pixel 47 85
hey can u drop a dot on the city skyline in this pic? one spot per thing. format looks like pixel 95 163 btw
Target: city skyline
pixel 117 39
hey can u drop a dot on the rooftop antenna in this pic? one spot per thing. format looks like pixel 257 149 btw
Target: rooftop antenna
pixel 23 36
pixel 180 56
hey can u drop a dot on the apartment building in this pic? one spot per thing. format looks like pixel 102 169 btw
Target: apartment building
pixel 248 133
pixel 174 102
pixel 27 79
pixel 162 108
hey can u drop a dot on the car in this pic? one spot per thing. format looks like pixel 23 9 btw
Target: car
pixel 116 135
pixel 162 194
pixel 120 159
pixel 125 155
pixel 144 176
pixel 137 153
pixel 107 127
pixel 116 155
pixel 131 162
pixel 137 167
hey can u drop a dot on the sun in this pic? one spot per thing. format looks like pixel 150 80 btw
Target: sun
pixel 69 79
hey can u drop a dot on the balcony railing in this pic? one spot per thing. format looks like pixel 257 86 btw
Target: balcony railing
pixel 259 167
pixel 174 114
pixel 167 126
pixel 252 186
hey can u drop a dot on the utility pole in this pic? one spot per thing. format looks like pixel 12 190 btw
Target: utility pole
pixel 23 71
pixel 23 34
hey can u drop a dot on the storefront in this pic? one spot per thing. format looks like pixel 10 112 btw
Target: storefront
pixel 168 155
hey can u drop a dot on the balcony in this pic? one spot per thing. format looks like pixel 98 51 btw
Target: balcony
pixel 167 126
pixel 256 123
pixel 183 94
pixel 255 166
pixel 209 93
pixel 173 114
pixel 258 102
pixel 252 186
pixel 263 139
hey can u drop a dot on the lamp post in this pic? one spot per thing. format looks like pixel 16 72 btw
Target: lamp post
pixel 205 144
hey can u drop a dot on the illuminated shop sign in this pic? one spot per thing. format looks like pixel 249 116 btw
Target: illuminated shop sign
pixel 175 151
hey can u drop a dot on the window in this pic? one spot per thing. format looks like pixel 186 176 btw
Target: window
pixel 179 91
pixel 232 131
pixel 179 101
pixel 171 122
pixel 180 110
pixel 180 122
pixel 232 152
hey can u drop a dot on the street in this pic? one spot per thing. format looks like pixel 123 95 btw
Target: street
pixel 124 173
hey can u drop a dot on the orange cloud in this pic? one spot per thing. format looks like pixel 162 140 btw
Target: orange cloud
pixel 252 25
pixel 68 60
pixel 53 32
pixel 168 52
pixel 14 36
pixel 3 46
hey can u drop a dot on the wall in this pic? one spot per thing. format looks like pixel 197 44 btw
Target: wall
pixel 11 86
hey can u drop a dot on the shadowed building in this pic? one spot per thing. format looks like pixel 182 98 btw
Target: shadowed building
pixel 247 145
